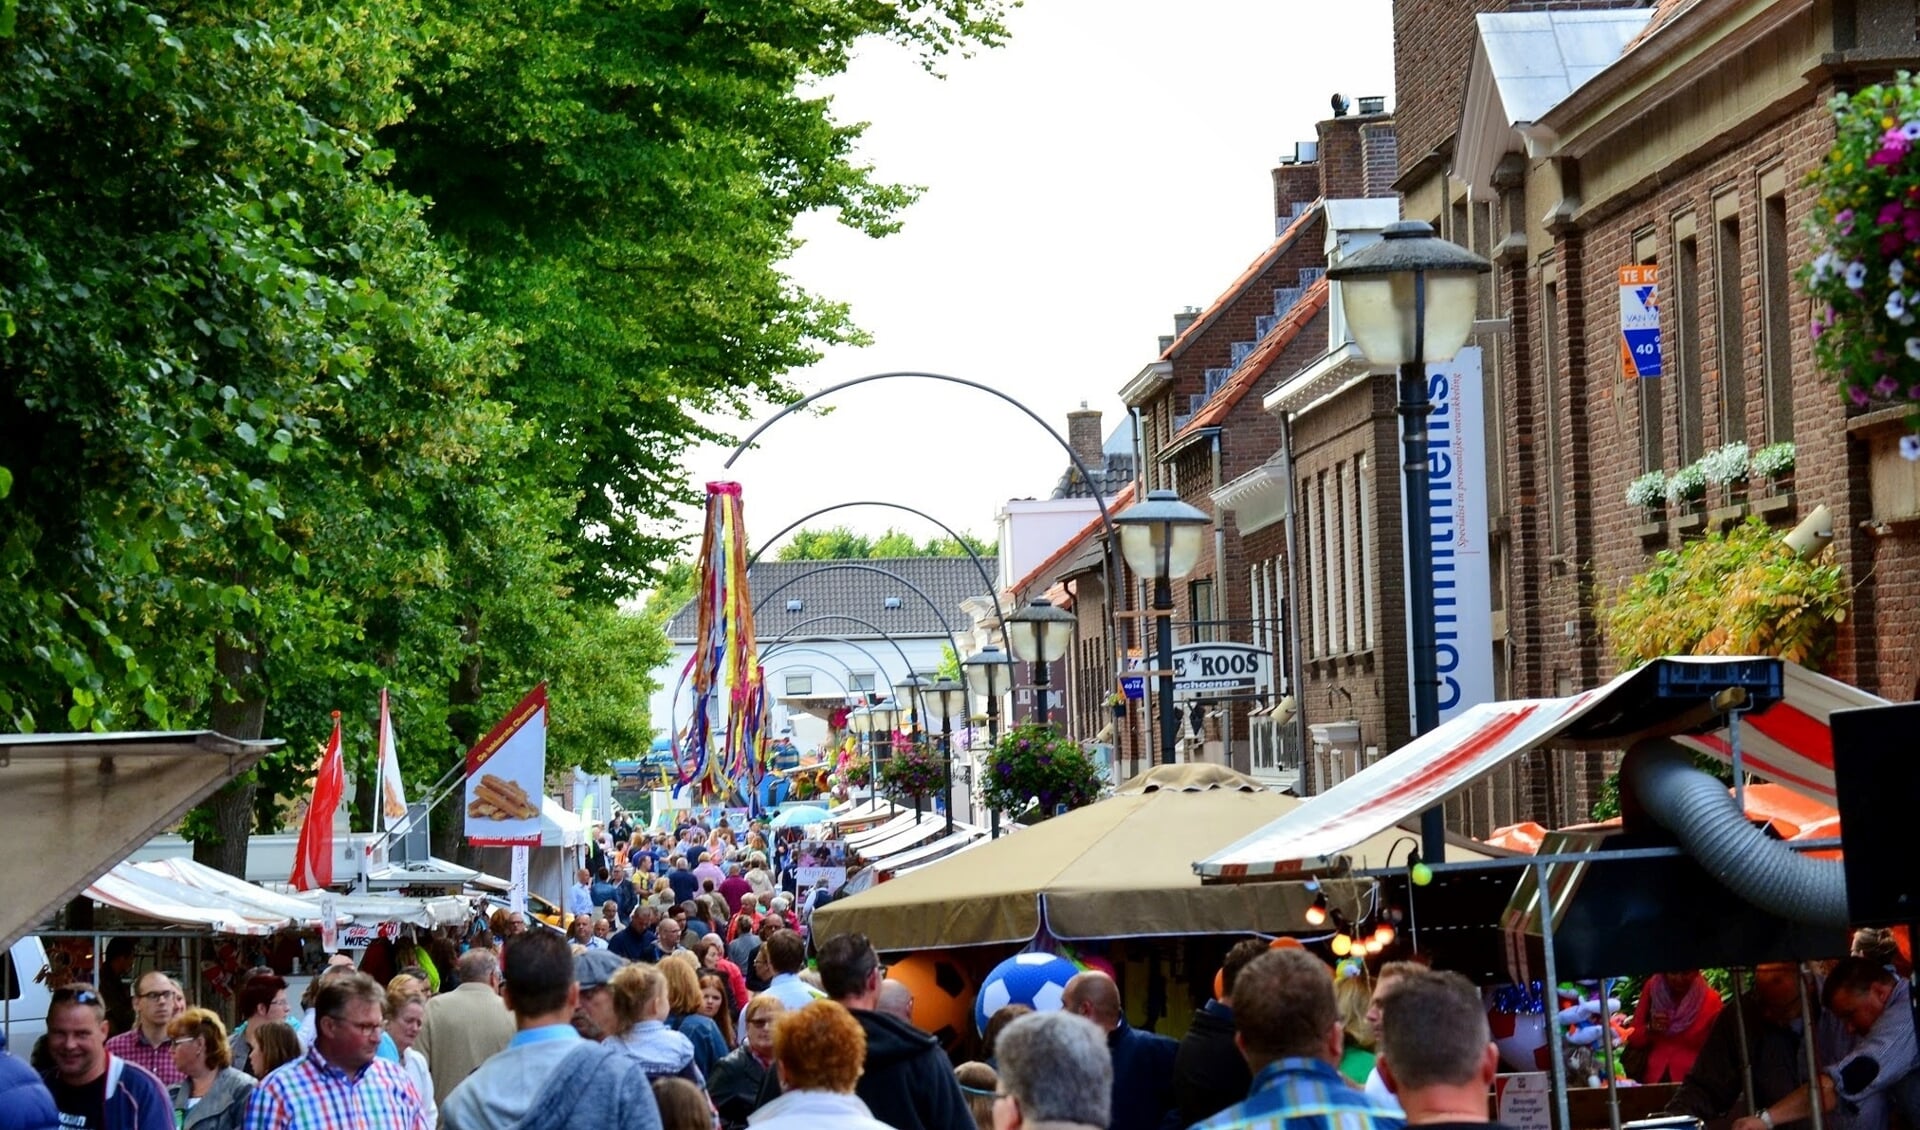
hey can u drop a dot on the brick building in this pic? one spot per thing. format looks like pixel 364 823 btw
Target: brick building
pixel 1677 135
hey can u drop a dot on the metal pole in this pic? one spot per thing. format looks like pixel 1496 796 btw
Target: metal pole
pixel 1040 676
pixel 1163 644
pixel 1746 1053
pixel 1413 409
pixel 993 740
pixel 946 739
pixel 1814 1114
pixel 1606 1044
pixel 1556 1046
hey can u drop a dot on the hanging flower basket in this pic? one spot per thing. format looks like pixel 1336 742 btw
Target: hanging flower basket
pixel 1686 486
pixel 1035 765
pixel 914 772
pixel 1866 280
pixel 1774 463
pixel 1649 493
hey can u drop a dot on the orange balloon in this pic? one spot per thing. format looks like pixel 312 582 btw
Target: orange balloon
pixel 942 994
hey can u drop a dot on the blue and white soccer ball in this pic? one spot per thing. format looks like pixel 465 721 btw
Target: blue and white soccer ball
pixel 1036 980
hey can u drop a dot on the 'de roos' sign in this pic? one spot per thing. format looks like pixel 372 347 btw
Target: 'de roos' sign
pixel 1215 668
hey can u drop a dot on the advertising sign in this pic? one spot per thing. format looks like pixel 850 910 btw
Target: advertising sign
pixel 1640 321
pixel 1457 530
pixel 517 889
pixel 506 774
pixel 805 877
pixel 1209 669
pixel 329 923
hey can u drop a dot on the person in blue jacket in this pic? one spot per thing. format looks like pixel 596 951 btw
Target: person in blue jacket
pixel 92 1089
pixel 25 1102
pixel 1142 1061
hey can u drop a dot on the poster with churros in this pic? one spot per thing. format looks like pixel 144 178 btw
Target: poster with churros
pixel 505 772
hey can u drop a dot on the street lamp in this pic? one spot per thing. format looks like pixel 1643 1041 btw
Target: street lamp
pixel 989 673
pixel 1409 301
pixel 860 721
pixel 1039 634
pixel 886 716
pixel 908 692
pixel 947 700
pixel 1161 538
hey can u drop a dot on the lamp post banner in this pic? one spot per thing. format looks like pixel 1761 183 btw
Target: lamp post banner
pixel 1457 530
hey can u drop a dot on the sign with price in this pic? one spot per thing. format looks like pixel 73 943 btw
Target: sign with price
pixel 1640 321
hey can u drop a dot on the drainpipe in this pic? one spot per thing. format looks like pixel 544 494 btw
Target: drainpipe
pixel 1295 673
pixel 1220 594
pixel 1143 733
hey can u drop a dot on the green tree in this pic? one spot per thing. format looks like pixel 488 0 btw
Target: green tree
pixel 841 543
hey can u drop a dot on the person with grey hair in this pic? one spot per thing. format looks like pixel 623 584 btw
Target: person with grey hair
pixel 466 1027
pixel 1055 1074
pixel 1436 1053
pixel 340 1072
pixel 1287 1026
pixel 896 1000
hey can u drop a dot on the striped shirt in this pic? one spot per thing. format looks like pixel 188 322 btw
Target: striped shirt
pixel 1304 1094
pixel 132 1046
pixel 312 1094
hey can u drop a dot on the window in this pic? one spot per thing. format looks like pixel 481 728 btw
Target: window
pixel 1200 604
pixel 1729 282
pixel 1330 578
pixel 1653 439
pixel 1686 369
pixel 800 685
pixel 1776 282
pixel 1551 386
pixel 1350 554
pixel 860 682
pixel 1310 546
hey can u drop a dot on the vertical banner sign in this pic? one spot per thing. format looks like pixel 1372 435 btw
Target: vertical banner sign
pixel 1640 321
pixel 329 923
pixel 1457 529
pixel 517 890
pixel 506 777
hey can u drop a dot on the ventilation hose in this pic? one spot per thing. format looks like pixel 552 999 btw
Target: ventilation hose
pixel 1702 815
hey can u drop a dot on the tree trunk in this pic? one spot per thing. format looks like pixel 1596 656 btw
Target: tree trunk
pixel 240 713
pixel 447 825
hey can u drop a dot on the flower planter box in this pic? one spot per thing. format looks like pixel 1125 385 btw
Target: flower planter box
pixel 1655 530
pixel 1722 517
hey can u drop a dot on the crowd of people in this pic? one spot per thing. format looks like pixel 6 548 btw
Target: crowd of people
pixel 717 1011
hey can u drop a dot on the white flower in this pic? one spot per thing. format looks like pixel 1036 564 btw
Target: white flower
pixel 1856 275
pixel 1823 267
pixel 1910 448
pixel 1897 271
pixel 1911 130
pixel 1897 308
pixel 1913 348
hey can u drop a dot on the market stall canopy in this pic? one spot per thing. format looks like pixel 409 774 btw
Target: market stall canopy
pixel 73 805
pixel 863 812
pixel 1114 869
pixel 558 827
pixel 912 835
pixel 257 900
pixel 901 822
pixel 131 889
pixel 963 837
pixel 1788 742
pixel 370 910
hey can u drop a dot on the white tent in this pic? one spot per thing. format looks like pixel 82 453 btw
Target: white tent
pixel 369 910
pixel 238 892
pixel 130 888
pixel 558 827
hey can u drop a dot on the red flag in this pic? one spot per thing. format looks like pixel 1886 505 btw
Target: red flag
pixel 313 857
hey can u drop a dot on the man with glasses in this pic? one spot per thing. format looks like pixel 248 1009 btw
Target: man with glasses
pixel 92 1088
pixel 339 1084
pixel 157 999
pixel 1054 1072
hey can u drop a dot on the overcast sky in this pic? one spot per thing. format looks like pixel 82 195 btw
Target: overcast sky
pixel 1105 169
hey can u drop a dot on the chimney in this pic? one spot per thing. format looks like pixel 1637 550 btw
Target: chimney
pixel 1083 435
pixel 1295 185
pixel 1184 319
pixel 1166 342
pixel 1372 104
pixel 1380 156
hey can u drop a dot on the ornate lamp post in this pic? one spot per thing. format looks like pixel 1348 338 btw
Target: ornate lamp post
pixel 860 721
pixel 989 673
pixel 910 694
pixel 1161 538
pixel 947 700
pixel 1039 634
pixel 1409 301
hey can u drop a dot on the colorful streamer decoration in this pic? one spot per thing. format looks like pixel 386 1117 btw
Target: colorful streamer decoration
pixel 725 749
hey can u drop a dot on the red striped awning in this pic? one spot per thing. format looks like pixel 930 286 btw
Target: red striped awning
pixel 1788 742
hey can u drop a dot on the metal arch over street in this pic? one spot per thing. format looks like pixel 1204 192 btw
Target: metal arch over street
pixel 1106 516
pixel 953 641
pixel 786 645
pixel 993 591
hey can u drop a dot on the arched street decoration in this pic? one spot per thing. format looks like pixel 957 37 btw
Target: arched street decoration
pixel 986 578
pixel 1106 517
pixel 953 640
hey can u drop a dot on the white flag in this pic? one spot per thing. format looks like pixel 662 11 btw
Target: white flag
pixel 393 793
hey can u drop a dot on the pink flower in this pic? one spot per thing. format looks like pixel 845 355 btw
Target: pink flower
pixel 1859 396
pixel 1889 213
pixel 1845 221
pixel 1886 386
pixel 1893 148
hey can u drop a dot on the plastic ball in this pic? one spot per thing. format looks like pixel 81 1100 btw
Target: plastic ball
pixel 1036 980
pixel 942 994
pixel 1421 874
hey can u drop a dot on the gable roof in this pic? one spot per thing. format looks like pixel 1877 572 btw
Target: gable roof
pixel 853 592
pixel 1215 410
pixel 1067 548
pixel 1241 282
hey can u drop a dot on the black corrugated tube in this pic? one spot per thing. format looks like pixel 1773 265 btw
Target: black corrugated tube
pixel 1702 815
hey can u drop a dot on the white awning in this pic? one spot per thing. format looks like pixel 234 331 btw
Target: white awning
pixel 128 888
pixel 858 841
pixel 929 827
pixel 255 900
pixel 74 805
pixel 964 835
pixel 558 827
pixel 368 910
pixel 1789 742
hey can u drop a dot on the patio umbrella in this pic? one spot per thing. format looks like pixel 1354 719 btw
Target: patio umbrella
pixel 803 817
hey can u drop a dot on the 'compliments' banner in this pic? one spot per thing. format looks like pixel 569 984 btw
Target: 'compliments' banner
pixel 1457 530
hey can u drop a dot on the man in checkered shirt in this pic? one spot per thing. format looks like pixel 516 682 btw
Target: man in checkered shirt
pixel 338 1084
pixel 1287 1026
pixel 157 999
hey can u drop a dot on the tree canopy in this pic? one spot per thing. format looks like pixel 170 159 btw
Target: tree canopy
pixel 842 543
pixel 347 347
